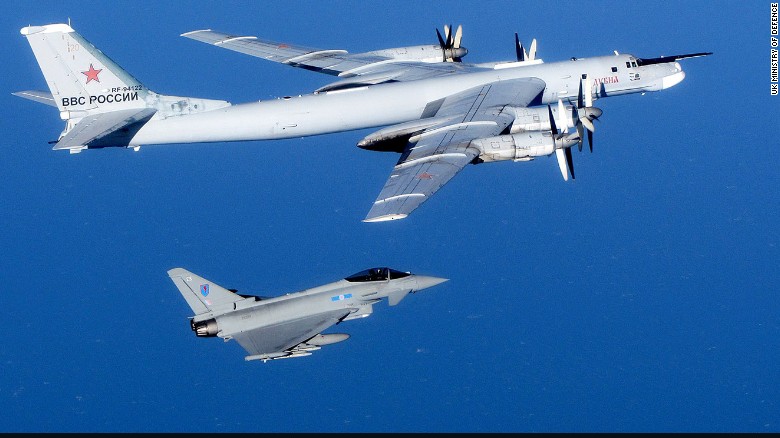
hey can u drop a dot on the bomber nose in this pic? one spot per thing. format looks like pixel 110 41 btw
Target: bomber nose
pixel 424 281
pixel 672 79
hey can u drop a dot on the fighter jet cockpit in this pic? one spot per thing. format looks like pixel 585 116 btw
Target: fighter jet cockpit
pixel 376 274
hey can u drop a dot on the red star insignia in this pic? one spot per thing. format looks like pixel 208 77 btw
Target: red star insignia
pixel 92 74
pixel 425 175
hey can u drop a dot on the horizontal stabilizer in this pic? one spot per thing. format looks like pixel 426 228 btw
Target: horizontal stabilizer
pixel 92 128
pixel 44 97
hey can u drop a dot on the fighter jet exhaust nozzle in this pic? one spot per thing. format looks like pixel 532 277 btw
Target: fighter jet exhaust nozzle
pixel 205 329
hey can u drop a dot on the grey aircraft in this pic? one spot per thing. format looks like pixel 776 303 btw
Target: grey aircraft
pixel 438 112
pixel 291 325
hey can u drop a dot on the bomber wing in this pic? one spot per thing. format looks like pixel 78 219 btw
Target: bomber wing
pixel 365 68
pixel 431 158
pixel 287 339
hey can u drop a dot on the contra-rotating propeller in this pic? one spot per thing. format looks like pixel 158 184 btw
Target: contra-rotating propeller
pixel 563 154
pixel 450 44
pixel 586 113
pixel 520 52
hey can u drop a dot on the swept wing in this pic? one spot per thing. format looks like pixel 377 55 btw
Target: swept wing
pixel 438 153
pixel 287 338
pixel 364 68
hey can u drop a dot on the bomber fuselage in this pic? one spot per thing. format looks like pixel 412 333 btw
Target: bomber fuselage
pixel 397 102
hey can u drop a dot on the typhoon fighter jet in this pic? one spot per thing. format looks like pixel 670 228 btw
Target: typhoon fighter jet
pixel 291 325
pixel 435 110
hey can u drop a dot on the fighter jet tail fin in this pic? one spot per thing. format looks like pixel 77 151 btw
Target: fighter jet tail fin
pixel 202 295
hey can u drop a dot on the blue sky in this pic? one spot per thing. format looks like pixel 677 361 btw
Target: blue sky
pixel 641 297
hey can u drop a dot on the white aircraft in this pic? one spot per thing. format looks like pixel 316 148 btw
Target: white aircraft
pixel 438 112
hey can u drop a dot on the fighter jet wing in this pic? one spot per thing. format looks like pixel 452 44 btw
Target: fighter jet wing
pixel 434 156
pixel 93 128
pixel 283 339
pixel 369 67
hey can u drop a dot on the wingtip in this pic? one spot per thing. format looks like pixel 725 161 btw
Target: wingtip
pixel 194 31
pixel 384 218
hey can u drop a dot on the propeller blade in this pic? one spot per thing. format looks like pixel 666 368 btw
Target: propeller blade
pixel 441 40
pixel 532 50
pixel 588 124
pixel 562 114
pixel 580 134
pixel 448 35
pixel 569 161
pixel 458 37
pixel 588 93
pixel 553 128
pixel 590 140
pixel 586 114
pixel 519 49
pixel 561 156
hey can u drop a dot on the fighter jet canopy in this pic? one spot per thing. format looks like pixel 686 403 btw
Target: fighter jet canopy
pixel 377 274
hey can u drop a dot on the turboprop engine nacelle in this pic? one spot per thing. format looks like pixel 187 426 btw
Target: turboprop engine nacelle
pixel 538 119
pixel 429 53
pixel 521 147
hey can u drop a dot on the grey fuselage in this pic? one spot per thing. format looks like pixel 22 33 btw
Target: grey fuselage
pixel 357 297
pixel 397 102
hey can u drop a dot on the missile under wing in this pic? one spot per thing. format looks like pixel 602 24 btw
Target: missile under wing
pixel 291 325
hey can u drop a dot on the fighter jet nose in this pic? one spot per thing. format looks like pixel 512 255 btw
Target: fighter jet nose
pixel 424 281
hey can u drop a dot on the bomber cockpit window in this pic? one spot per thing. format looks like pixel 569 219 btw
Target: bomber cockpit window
pixel 628 64
pixel 376 274
pixel 614 69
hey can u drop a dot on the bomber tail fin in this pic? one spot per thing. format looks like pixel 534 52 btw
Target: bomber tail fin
pixel 202 295
pixel 80 77
pixel 101 103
